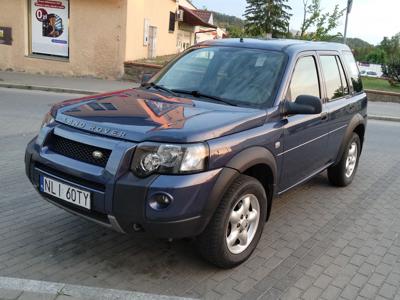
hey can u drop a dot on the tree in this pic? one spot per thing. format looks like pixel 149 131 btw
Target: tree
pixel 376 56
pixel 324 23
pixel 267 17
pixel 311 14
pixel 391 45
pixel 391 68
pixel 234 31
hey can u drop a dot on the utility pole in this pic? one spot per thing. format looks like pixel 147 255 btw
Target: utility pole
pixel 349 7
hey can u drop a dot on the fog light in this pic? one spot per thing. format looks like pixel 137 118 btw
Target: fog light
pixel 137 227
pixel 160 201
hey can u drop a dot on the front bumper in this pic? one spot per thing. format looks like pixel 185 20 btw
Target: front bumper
pixel 119 198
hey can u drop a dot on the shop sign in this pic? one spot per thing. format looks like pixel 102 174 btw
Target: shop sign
pixel 49 27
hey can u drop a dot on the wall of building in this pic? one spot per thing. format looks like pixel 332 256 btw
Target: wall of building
pixel 103 34
pixel 157 13
pixel 185 36
pixel 97 39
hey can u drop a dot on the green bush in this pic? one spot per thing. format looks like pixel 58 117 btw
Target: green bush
pixel 392 70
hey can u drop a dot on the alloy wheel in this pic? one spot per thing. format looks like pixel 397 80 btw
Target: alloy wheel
pixel 243 223
pixel 351 160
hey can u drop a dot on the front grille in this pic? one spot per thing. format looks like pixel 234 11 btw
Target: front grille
pixel 78 151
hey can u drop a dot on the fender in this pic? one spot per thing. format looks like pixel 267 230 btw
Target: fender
pixel 237 165
pixel 254 156
pixel 356 120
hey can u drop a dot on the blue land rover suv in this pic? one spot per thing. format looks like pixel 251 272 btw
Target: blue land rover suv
pixel 203 146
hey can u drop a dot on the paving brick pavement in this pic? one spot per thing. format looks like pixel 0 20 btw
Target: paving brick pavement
pixel 321 242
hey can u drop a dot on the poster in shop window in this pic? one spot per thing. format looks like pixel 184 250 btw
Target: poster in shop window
pixel 49 27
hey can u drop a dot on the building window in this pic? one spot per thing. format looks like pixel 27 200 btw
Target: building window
pixel 49 27
pixel 172 19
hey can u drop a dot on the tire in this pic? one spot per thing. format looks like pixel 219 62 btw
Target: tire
pixel 213 242
pixel 341 174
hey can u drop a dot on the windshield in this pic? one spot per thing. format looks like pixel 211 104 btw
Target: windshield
pixel 238 76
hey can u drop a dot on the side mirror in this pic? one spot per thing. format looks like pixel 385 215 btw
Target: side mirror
pixel 146 77
pixel 304 105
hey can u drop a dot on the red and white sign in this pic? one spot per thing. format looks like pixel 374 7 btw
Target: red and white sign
pixel 50 3
pixel 49 27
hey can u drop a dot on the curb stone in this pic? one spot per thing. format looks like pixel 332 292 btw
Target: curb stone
pixel 8 284
pixel 46 88
pixel 383 118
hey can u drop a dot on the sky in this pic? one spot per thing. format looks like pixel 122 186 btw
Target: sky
pixel 369 20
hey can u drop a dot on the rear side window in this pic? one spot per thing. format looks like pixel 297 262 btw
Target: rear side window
pixel 334 77
pixel 305 79
pixel 346 89
pixel 354 72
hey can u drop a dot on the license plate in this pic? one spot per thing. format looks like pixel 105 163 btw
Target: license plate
pixel 65 192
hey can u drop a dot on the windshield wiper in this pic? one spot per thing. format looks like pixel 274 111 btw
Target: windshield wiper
pixel 198 94
pixel 159 87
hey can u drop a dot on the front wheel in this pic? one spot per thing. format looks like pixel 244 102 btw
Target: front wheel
pixel 342 174
pixel 237 225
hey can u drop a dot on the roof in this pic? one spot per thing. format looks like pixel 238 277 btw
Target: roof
pixel 285 45
pixel 191 18
pixel 205 15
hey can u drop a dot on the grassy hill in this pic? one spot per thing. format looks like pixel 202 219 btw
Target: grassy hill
pixel 354 43
pixel 224 21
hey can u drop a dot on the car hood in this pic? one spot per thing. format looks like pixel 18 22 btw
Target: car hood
pixel 141 115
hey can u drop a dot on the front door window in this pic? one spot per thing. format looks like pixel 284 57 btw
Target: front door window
pixel 304 80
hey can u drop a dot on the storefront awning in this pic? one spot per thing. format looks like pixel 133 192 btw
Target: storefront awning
pixel 189 17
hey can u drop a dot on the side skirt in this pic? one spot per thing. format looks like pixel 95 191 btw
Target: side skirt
pixel 307 178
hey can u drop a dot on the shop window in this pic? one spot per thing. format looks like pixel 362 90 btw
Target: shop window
pixel 49 27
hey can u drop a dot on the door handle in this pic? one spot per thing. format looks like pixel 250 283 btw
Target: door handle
pixel 324 116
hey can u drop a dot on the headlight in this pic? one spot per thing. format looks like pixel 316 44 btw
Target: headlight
pixel 47 120
pixel 152 158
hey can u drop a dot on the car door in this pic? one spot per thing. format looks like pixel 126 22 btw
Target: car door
pixel 340 103
pixel 305 136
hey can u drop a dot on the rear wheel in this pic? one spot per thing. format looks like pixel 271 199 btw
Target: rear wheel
pixel 237 225
pixel 342 174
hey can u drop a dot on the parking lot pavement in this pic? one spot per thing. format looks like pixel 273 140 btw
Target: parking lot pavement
pixel 321 241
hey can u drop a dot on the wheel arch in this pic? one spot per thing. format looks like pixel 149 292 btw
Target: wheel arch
pixel 257 162
pixel 358 125
pixel 360 130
